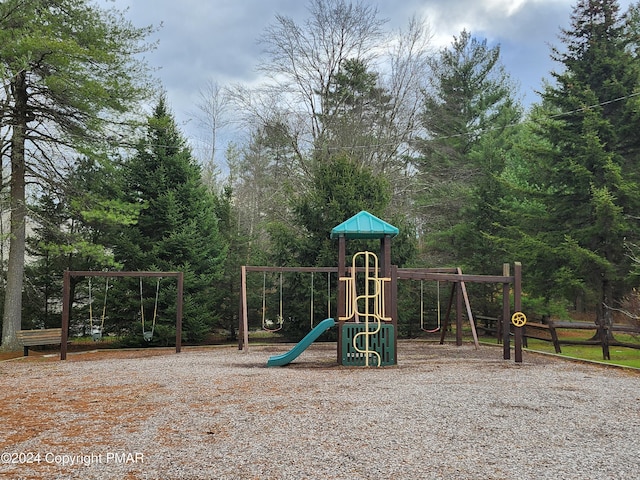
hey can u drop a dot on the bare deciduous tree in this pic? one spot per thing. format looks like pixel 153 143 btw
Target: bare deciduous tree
pixel 305 60
pixel 303 63
pixel 212 117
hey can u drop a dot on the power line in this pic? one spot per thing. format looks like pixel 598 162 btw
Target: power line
pixel 589 107
pixel 134 145
pixel 550 117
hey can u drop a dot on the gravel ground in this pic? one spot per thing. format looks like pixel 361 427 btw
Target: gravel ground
pixel 443 412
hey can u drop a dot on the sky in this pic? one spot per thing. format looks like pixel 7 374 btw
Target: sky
pixel 217 40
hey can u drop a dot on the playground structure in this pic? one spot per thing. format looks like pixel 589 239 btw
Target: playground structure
pixel 511 284
pixel 367 320
pixel 360 341
pixel 147 335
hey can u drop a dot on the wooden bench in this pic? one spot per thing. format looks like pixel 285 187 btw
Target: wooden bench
pixel 43 336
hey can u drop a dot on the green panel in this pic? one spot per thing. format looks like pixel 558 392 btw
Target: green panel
pixel 382 343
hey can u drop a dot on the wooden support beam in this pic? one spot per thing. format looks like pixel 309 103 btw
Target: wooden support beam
pixel 517 301
pixel 472 323
pixel 506 315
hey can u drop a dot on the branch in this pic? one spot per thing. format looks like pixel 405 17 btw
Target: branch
pixel 624 312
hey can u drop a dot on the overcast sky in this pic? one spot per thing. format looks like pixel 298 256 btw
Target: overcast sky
pixel 203 40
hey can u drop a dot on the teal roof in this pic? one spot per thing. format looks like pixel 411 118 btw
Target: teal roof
pixel 364 225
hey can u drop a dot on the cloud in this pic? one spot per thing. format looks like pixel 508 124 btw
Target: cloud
pixel 524 20
pixel 218 40
pixel 201 38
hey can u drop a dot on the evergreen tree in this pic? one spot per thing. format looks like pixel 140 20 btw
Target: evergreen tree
pixel 468 111
pixel 341 187
pixel 74 228
pixel 68 69
pixel 229 287
pixel 178 230
pixel 590 170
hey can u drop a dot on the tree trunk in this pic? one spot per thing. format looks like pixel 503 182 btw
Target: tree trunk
pixel 604 316
pixel 12 317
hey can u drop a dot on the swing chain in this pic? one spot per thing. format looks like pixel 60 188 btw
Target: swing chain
pixel 439 316
pixel 267 324
pixel 148 335
pixel 96 332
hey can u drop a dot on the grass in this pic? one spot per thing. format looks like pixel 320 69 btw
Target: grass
pixel 623 356
pixel 628 357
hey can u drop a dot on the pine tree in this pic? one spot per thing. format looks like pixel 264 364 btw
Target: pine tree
pixel 74 228
pixel 68 69
pixel 340 188
pixel 471 103
pixel 591 167
pixel 178 230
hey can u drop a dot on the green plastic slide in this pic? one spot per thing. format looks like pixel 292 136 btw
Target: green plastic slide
pixel 312 336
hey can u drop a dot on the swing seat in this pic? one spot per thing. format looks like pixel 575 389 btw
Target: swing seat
pixel 273 326
pixel 148 335
pixel 96 334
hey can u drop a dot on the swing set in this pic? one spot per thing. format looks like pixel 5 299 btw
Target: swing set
pixel 453 276
pixel 365 226
pixel 148 334
pixel 97 331
pixel 268 324
pixel 277 324
pixel 311 309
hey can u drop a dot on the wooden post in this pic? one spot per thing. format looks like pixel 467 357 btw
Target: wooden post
pixel 472 323
pixel 66 292
pixel 179 309
pixel 243 334
pixel 517 301
pixel 506 316
pixel 390 294
pixel 447 317
pixel 240 316
pixel 554 337
pixel 385 271
pixel 394 308
pixel 458 313
pixel 342 292
pixel 603 332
